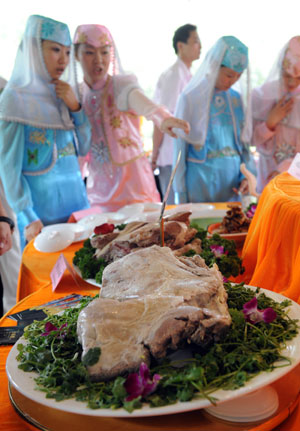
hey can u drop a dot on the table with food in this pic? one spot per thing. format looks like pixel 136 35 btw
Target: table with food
pixel 149 329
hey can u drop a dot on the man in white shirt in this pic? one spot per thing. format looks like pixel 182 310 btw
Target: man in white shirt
pixel 187 47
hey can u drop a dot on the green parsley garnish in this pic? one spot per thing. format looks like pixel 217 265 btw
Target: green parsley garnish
pixel 89 265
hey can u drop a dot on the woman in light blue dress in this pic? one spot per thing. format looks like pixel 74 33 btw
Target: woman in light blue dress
pixel 209 168
pixel 42 130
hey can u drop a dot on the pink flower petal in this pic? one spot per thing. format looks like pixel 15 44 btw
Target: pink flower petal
pixel 253 315
pixel 217 250
pixel 269 315
pixel 141 383
pixel 133 386
pixel 150 387
pixel 144 372
pixel 49 327
pixel 250 306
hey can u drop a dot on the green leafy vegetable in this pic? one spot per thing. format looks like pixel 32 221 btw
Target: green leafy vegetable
pixel 91 357
pixel 240 354
pixel 228 263
pixel 89 265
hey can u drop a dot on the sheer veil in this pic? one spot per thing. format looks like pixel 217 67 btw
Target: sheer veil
pixel 273 89
pixel 194 103
pixel 29 97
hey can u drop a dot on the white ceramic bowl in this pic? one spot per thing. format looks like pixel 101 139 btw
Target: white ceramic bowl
pixel 50 241
pixel 78 229
pixel 132 210
pixel 91 221
pixel 115 217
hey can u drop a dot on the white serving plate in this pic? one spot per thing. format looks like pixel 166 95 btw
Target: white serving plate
pixel 91 221
pixel 91 281
pixel 53 240
pixel 78 229
pixel 24 382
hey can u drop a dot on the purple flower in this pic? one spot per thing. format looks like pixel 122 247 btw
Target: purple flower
pixel 251 210
pixel 254 315
pixel 218 250
pixel 49 327
pixel 141 383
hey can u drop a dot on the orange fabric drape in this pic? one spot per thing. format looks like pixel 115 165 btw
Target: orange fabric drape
pixel 36 268
pixel 271 253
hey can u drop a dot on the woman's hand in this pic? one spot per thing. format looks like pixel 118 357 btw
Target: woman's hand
pixel 169 123
pixel 33 229
pixel 5 238
pixel 65 92
pixel 279 112
pixel 243 188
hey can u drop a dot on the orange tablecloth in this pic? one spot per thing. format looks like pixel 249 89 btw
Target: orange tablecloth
pixel 36 268
pixel 35 277
pixel 10 420
pixel 271 253
pixel 190 421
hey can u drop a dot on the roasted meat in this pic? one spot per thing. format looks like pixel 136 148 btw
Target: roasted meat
pixel 235 220
pixel 136 235
pixel 152 302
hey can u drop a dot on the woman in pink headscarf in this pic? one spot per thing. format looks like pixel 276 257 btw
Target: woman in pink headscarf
pixel 276 114
pixel 118 170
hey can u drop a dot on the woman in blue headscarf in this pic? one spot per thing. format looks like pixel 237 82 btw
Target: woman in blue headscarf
pixel 209 168
pixel 42 130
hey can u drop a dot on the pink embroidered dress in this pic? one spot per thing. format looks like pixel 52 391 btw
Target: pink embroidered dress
pixel 277 148
pixel 118 170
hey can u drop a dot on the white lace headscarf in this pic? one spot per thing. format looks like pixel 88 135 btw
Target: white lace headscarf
pixel 273 89
pixel 194 103
pixel 29 97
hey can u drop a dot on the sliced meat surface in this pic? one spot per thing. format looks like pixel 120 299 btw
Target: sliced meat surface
pixel 152 302
pixel 155 270
pixel 136 235
pixel 130 332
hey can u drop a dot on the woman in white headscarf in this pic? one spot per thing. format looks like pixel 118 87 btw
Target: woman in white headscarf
pixel 39 118
pixel 276 114
pixel 119 171
pixel 215 104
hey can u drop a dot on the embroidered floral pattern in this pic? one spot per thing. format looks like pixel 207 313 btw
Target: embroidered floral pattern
pixel 126 142
pixel 100 152
pixel 284 151
pixel 224 152
pixel 32 156
pixel 38 137
pixel 82 38
pixel 47 28
pixel 219 101
pixel 236 101
pixel 116 122
pixel 68 150
pixel 104 40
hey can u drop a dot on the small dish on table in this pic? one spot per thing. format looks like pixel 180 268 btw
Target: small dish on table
pixel 237 237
